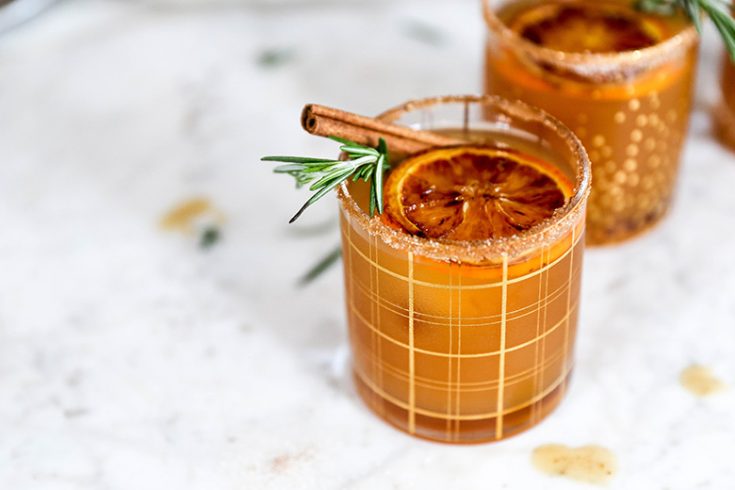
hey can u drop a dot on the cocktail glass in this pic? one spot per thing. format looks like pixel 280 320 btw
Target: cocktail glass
pixel 470 341
pixel 630 108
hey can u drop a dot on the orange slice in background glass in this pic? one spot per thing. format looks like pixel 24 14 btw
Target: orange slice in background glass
pixel 594 28
pixel 472 193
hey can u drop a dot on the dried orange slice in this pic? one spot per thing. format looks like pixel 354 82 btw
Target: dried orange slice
pixel 472 193
pixel 591 27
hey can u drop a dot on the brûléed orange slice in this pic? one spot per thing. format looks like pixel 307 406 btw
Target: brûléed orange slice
pixel 472 193
pixel 593 27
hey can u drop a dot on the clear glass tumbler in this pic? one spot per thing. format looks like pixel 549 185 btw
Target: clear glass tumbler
pixel 629 107
pixel 471 341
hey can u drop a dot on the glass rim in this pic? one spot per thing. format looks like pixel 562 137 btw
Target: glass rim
pixel 599 62
pixel 493 249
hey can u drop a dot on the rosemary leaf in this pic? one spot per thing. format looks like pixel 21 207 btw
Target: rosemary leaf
pixel 294 160
pixel 324 264
pixel 325 175
pixel 210 237
pixel 719 11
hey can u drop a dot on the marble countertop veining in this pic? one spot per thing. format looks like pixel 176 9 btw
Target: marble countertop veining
pixel 131 358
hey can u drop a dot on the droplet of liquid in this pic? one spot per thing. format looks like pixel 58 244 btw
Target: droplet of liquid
pixel 590 464
pixel 182 216
pixel 195 217
pixel 700 381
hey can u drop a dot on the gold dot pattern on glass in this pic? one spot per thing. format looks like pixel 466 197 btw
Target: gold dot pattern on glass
pixel 632 127
pixel 633 182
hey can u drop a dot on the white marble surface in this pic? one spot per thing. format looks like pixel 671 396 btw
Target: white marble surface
pixel 132 359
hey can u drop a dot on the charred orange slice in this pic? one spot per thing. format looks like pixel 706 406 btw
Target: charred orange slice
pixel 588 27
pixel 472 193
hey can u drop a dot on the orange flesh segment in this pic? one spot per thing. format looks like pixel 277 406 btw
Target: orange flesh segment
pixel 586 28
pixel 472 193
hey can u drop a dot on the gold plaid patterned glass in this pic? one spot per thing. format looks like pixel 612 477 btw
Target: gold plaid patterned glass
pixel 620 79
pixel 467 341
pixel 725 113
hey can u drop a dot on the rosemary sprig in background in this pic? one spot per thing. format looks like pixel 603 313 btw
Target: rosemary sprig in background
pixel 720 11
pixel 325 175
pixel 324 264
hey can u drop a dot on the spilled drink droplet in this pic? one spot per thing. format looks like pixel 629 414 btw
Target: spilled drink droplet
pixel 700 381
pixel 591 464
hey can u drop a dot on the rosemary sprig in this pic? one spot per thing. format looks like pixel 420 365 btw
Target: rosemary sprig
pixel 720 11
pixel 325 175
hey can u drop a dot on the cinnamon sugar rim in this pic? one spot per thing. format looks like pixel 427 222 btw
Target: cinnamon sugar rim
pixel 494 249
pixel 588 64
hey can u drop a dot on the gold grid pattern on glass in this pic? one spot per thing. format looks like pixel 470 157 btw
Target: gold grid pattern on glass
pixel 390 363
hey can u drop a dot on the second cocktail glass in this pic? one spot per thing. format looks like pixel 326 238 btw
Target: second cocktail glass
pixel 620 79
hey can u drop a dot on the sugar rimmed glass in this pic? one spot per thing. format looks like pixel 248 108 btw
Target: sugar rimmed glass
pixel 630 109
pixel 467 342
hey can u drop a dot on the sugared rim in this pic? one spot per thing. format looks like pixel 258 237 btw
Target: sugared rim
pixel 490 250
pixel 586 64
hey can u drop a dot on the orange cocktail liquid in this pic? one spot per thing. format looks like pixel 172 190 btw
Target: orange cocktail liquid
pixel 633 122
pixel 726 112
pixel 460 351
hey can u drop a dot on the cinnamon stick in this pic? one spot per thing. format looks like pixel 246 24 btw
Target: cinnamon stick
pixel 326 121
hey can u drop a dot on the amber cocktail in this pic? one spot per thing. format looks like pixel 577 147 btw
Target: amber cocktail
pixel 726 111
pixel 622 80
pixel 458 339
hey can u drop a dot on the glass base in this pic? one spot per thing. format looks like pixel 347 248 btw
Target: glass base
pixel 462 431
